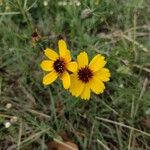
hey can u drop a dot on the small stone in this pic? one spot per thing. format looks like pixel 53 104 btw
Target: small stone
pixel 60 3
pixel 7 124
pixel 64 3
pixel 121 86
pixel 14 119
pixel 8 105
pixel 45 3
pixel 78 3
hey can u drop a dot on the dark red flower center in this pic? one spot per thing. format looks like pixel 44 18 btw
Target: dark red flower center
pixel 59 65
pixel 85 74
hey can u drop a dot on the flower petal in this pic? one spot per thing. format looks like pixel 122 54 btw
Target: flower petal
pixel 51 54
pixel 47 65
pixel 97 86
pixel 103 74
pixel 72 66
pixel 86 92
pixel 97 63
pixel 82 59
pixel 63 51
pixel 67 56
pixel 76 86
pixel 66 80
pixel 62 47
pixel 49 78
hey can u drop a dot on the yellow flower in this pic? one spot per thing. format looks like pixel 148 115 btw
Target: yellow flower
pixel 89 76
pixel 58 65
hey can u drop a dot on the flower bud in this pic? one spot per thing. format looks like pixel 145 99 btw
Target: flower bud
pixel 87 13
pixel 13 119
pixel 8 105
pixel 7 124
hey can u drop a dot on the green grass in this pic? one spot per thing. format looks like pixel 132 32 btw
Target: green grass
pixel 118 119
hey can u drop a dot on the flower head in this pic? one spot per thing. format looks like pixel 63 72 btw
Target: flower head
pixel 58 65
pixel 89 76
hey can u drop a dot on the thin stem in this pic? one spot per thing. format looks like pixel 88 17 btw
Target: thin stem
pixel 102 144
pixel 123 125
pixel 53 106
pixel 24 13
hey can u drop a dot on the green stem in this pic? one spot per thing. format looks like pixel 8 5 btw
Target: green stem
pixel 53 110
pixel 24 13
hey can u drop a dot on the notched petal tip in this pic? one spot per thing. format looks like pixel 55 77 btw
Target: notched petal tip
pixel 85 95
pixel 103 75
pixel 97 63
pixel 76 87
pixel 62 45
pixel 61 40
pixel 63 51
pixel 82 59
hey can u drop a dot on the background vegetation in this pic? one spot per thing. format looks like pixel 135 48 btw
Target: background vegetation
pixel 118 119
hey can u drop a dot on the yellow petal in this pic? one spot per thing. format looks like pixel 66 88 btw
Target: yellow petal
pixel 97 63
pixel 76 86
pixel 86 92
pixel 51 54
pixel 67 56
pixel 66 80
pixel 49 78
pixel 63 51
pixel 82 59
pixel 97 86
pixel 47 65
pixel 72 66
pixel 103 74
pixel 62 47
